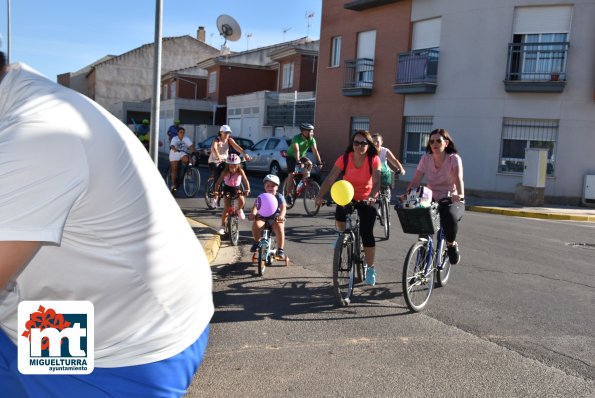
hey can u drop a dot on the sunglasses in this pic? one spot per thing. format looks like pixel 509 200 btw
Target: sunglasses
pixel 437 141
pixel 360 143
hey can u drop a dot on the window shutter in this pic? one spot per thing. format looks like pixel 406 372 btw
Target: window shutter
pixel 553 19
pixel 426 34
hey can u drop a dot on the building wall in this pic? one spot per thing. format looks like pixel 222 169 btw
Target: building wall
pixel 234 80
pixel 307 73
pixel 129 77
pixel 470 100
pixel 384 108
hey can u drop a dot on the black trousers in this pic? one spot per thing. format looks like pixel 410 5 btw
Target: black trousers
pixel 367 219
pixel 450 215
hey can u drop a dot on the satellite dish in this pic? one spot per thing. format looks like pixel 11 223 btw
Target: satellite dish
pixel 228 28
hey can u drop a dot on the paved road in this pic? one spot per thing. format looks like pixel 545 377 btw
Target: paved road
pixel 516 320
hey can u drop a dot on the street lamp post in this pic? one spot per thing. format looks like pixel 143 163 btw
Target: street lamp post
pixel 156 99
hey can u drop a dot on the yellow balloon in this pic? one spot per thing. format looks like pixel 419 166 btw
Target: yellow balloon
pixel 342 192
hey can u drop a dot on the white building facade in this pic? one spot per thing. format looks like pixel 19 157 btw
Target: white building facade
pixel 511 75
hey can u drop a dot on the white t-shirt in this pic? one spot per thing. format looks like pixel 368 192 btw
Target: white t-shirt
pixel 76 178
pixel 182 145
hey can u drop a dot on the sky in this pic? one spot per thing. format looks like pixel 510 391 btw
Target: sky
pixel 62 36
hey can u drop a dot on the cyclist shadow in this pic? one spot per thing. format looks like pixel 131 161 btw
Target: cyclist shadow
pixel 283 295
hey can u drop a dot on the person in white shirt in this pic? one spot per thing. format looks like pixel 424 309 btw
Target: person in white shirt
pixel 180 149
pixel 85 216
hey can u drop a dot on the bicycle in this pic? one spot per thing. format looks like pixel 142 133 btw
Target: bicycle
pixel 267 247
pixel 305 187
pixel 349 259
pixel 232 226
pixel 424 261
pixel 188 174
pixel 383 210
pixel 210 189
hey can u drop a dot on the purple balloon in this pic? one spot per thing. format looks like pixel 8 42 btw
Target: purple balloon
pixel 266 204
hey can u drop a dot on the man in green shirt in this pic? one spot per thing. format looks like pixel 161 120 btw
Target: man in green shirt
pixel 299 146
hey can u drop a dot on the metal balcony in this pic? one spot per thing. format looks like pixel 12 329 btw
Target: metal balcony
pixel 359 5
pixel 536 67
pixel 359 77
pixel 417 72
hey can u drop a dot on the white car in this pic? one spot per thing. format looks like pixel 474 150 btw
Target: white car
pixel 269 156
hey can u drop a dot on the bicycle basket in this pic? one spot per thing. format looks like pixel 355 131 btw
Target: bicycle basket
pixel 419 220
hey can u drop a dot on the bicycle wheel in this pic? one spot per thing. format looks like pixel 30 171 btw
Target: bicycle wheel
pixel 272 249
pixel 263 252
pixel 309 194
pixel 384 217
pixel 168 178
pixel 343 269
pixel 210 193
pixel 233 226
pixel 191 182
pixel 417 284
pixel 287 193
pixel 443 269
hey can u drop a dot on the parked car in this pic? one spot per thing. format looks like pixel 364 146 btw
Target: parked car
pixel 269 156
pixel 204 147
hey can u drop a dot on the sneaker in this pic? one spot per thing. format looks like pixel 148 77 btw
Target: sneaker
pixel 241 214
pixel 453 253
pixel 221 230
pixel 254 247
pixel 370 276
pixel 280 254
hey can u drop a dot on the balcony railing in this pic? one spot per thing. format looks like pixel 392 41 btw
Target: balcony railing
pixel 359 77
pixel 360 5
pixel 417 71
pixel 536 67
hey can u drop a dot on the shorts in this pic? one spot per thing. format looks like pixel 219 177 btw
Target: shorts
pixel 167 378
pixel 176 156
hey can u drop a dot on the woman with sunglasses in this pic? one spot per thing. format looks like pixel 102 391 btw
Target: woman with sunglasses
pixel 443 170
pixel 360 166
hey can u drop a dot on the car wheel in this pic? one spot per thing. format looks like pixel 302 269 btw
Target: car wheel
pixel 275 169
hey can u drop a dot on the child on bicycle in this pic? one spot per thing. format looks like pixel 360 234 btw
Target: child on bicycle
pixel 232 178
pixel 271 185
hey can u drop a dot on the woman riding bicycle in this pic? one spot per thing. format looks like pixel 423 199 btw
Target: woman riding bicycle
pixel 220 151
pixel 361 167
pixel 386 156
pixel 180 148
pixel 443 169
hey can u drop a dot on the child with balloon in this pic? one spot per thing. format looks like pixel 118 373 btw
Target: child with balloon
pixel 360 166
pixel 270 204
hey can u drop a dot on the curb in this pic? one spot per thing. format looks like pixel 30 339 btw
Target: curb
pixel 530 214
pixel 210 246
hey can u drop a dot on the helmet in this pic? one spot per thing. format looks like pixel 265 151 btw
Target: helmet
pixel 225 129
pixel 272 178
pixel 233 159
pixel 177 121
pixel 306 126
pixel 145 121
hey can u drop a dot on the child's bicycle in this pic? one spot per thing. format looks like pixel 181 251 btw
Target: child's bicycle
pixel 189 177
pixel 349 259
pixel 232 226
pixel 267 247
pixel 303 186
pixel 424 261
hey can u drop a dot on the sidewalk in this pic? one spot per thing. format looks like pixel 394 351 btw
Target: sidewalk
pixel 211 241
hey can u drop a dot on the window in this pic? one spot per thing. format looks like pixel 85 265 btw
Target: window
pixel 212 82
pixel 364 68
pixel 335 51
pixel 287 75
pixel 359 123
pixel 174 85
pixel 520 134
pixel 272 144
pixel 540 42
pixel 417 132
